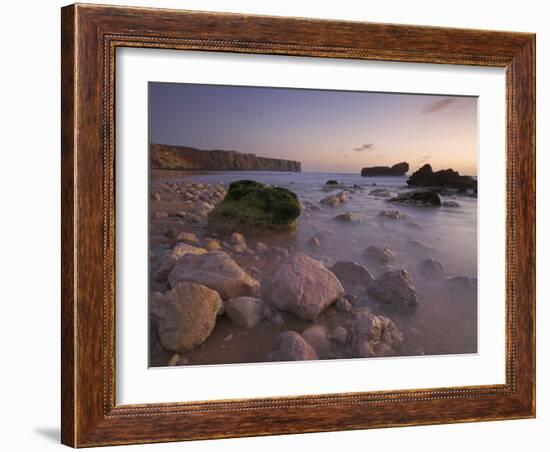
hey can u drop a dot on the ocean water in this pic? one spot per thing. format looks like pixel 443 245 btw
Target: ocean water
pixel 445 321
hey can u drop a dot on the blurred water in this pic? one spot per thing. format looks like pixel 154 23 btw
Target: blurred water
pixel 445 322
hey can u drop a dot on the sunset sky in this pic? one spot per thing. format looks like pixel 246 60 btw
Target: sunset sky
pixel 328 131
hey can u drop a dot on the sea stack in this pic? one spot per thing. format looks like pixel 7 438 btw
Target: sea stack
pixel 399 169
pixel 426 177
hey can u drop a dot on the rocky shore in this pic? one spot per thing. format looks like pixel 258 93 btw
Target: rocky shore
pixel 244 294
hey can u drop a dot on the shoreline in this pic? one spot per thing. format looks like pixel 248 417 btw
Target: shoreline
pixel 253 344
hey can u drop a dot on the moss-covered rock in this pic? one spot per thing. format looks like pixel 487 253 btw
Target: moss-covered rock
pixel 252 205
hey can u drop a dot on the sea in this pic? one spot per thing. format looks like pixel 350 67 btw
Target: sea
pixel 445 321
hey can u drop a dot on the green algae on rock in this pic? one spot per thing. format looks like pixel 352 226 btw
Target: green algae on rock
pixel 252 205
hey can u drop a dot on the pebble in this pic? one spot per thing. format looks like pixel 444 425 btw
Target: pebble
pixel 213 244
pixel 339 335
pixel 261 248
pixel 161 215
pixel 174 360
pixel 188 237
pixel 237 239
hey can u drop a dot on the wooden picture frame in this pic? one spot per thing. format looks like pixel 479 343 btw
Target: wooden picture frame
pixel 90 36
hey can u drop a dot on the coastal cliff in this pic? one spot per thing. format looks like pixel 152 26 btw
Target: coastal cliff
pixel 396 170
pixel 164 156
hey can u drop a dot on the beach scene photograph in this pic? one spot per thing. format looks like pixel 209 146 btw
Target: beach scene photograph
pixel 290 224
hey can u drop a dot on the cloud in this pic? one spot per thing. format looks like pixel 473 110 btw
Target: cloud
pixel 240 109
pixel 365 147
pixel 438 105
pixel 260 114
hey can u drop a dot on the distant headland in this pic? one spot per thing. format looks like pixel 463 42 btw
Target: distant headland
pixel 164 156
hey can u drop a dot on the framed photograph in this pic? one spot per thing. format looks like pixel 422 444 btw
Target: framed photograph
pixel 281 225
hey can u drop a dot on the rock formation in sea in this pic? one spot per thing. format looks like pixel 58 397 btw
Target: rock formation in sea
pixel 426 177
pixel 253 206
pixel 396 170
pixel 163 156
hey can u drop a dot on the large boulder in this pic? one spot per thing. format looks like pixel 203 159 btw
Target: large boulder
pixel 186 316
pixel 217 271
pixel 249 205
pixel 352 274
pixel 421 198
pixel 303 286
pixel 396 170
pixel 290 346
pixel 394 287
pixel 180 250
pixel 373 335
pixel 245 311
pixel 426 177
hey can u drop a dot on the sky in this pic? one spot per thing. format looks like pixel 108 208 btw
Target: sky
pixel 328 131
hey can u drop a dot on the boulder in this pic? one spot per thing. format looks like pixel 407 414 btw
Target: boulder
pixel 373 335
pixel 245 311
pixel 303 286
pixel 180 250
pixel 186 316
pixel 398 169
pixel 335 200
pixel 379 255
pixel 217 271
pixel 317 336
pixel 251 205
pixel 422 198
pixel 380 193
pixel 332 182
pixel 394 287
pixel 431 268
pixel 290 346
pixel 188 237
pixel 351 274
pixel 426 177
pixel 347 217
pixel 390 214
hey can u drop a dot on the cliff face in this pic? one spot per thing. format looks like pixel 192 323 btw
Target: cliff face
pixel 164 156
pixel 396 170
